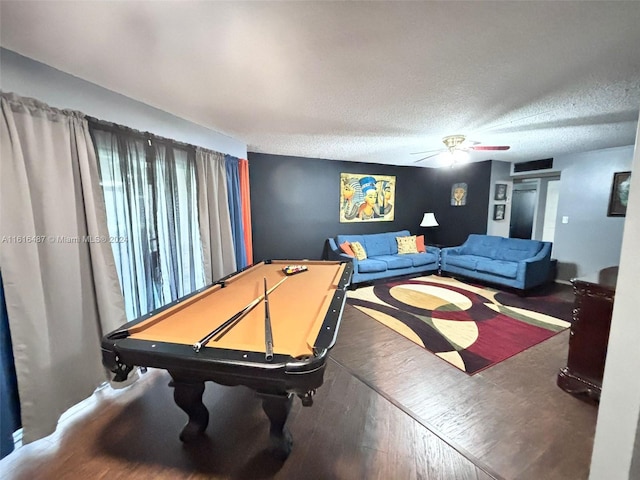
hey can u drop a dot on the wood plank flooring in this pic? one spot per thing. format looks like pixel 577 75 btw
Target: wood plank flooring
pixel 511 419
pixel 388 410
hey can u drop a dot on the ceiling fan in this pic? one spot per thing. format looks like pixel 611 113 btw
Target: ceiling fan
pixel 455 143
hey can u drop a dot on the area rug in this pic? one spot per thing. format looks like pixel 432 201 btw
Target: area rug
pixel 470 326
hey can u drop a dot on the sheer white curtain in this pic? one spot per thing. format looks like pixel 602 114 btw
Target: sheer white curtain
pixel 179 252
pixel 61 286
pixel 215 219
pixel 150 190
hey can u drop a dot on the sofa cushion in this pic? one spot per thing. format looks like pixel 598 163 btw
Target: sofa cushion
pixel 482 245
pixel 420 243
pixel 516 249
pixel 498 267
pixel 371 265
pixel 382 243
pixel 395 261
pixel 358 249
pixel 420 259
pixel 346 248
pixel 464 261
pixel 407 245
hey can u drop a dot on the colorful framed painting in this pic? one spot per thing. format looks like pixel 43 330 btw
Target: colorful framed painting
pixel 459 194
pixel 367 197
pixel 619 194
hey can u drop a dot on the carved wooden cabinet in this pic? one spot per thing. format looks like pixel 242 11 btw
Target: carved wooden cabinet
pixel 594 296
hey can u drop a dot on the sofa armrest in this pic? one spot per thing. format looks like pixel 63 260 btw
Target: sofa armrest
pixel 544 253
pixel 452 250
pixel 535 270
pixel 432 249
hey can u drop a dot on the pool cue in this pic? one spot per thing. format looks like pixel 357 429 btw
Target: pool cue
pixel 224 331
pixel 268 335
pixel 229 324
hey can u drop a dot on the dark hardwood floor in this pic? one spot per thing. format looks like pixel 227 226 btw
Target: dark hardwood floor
pixel 388 409
pixel 511 419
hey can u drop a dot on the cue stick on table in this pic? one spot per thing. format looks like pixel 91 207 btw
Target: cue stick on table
pixel 233 321
pixel 268 335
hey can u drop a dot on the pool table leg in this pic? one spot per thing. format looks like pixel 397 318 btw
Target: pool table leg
pixel 277 408
pixel 188 396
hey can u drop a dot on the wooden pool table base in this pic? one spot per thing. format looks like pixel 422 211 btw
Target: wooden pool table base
pixel 188 396
pixel 277 408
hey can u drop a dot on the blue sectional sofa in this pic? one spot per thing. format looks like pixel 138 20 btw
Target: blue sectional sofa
pixel 511 262
pixel 383 259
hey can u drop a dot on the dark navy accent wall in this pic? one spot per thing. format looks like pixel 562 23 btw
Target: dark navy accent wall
pixel 295 203
pixel 456 223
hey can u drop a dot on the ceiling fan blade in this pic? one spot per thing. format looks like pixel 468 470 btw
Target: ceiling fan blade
pixel 429 156
pixel 488 147
pixel 426 151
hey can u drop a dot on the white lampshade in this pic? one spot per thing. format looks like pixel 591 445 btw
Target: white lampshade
pixel 429 220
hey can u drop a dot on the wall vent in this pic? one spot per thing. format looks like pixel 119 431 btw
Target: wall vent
pixel 532 166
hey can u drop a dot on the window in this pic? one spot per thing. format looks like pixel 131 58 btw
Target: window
pixel 150 194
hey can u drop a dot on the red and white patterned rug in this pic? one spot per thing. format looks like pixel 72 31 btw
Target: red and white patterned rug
pixel 472 327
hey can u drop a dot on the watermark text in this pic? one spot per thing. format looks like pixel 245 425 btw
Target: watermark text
pixel 61 239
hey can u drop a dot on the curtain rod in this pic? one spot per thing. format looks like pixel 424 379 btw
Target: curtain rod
pixel 115 127
pixel 30 102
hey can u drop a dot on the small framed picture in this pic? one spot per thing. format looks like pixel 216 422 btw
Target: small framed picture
pixel 500 192
pixel 459 194
pixel 498 212
pixel 619 194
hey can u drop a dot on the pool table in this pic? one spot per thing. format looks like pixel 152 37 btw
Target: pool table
pixel 305 310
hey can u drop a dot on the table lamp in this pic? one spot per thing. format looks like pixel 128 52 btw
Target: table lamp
pixel 429 220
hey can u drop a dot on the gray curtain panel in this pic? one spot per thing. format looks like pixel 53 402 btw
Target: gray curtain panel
pixel 61 286
pixel 215 220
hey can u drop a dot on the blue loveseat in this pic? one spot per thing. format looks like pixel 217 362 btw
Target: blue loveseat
pixel 383 259
pixel 511 262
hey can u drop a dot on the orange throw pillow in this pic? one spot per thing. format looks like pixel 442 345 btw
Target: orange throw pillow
pixel 346 248
pixel 420 243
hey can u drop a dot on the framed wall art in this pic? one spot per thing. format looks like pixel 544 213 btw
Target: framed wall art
pixel 367 197
pixel 459 194
pixel 619 194
pixel 499 211
pixel 500 192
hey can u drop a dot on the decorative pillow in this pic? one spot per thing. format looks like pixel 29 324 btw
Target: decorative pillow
pixel 407 244
pixel 346 248
pixel 420 244
pixel 359 251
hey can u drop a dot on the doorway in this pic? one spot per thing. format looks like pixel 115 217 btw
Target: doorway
pixel 523 209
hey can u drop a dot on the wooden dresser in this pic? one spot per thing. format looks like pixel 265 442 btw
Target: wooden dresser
pixel 594 296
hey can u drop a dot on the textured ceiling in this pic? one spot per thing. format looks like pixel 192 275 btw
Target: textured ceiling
pixel 361 81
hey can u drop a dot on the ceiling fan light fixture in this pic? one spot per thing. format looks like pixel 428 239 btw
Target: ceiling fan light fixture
pixel 455 157
pixel 457 150
pixel 459 156
pixel 453 141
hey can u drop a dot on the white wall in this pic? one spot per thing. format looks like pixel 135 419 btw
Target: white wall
pixel 29 78
pixel 551 211
pixel 616 442
pixel 590 241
